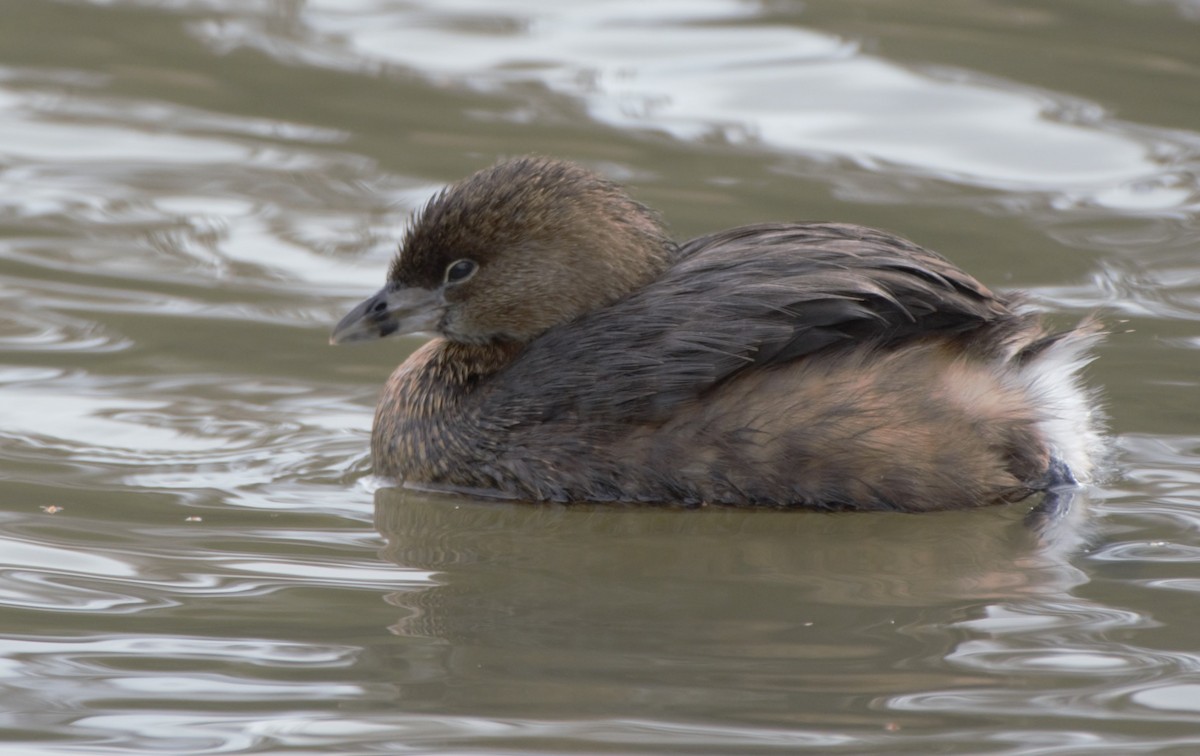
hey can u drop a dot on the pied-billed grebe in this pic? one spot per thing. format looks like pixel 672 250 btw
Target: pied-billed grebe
pixel 581 355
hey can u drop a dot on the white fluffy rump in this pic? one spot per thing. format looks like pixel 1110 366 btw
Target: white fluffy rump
pixel 1070 417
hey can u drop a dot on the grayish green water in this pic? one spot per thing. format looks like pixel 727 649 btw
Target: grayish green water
pixel 194 559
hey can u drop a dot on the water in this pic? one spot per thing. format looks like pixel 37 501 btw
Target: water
pixel 195 559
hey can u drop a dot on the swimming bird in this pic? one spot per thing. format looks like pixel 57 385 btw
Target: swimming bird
pixel 580 354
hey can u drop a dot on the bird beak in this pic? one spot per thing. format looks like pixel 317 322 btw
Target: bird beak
pixel 393 310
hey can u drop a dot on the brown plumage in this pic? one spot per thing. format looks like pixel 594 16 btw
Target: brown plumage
pixel 582 355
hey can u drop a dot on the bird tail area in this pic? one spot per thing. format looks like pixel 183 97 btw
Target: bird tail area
pixel 1069 416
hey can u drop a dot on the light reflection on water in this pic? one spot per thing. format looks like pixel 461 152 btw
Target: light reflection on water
pixel 190 193
pixel 667 66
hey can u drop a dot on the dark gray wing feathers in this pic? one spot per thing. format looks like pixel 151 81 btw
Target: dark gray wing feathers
pixel 755 296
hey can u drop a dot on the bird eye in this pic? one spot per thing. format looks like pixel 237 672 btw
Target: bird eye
pixel 460 270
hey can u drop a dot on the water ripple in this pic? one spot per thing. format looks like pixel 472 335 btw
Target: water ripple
pixel 120 189
pixel 112 677
pixel 701 70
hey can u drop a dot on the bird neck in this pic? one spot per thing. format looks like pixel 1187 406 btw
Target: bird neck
pixel 426 423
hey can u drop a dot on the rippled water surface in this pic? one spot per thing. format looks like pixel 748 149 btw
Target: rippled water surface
pixel 196 561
